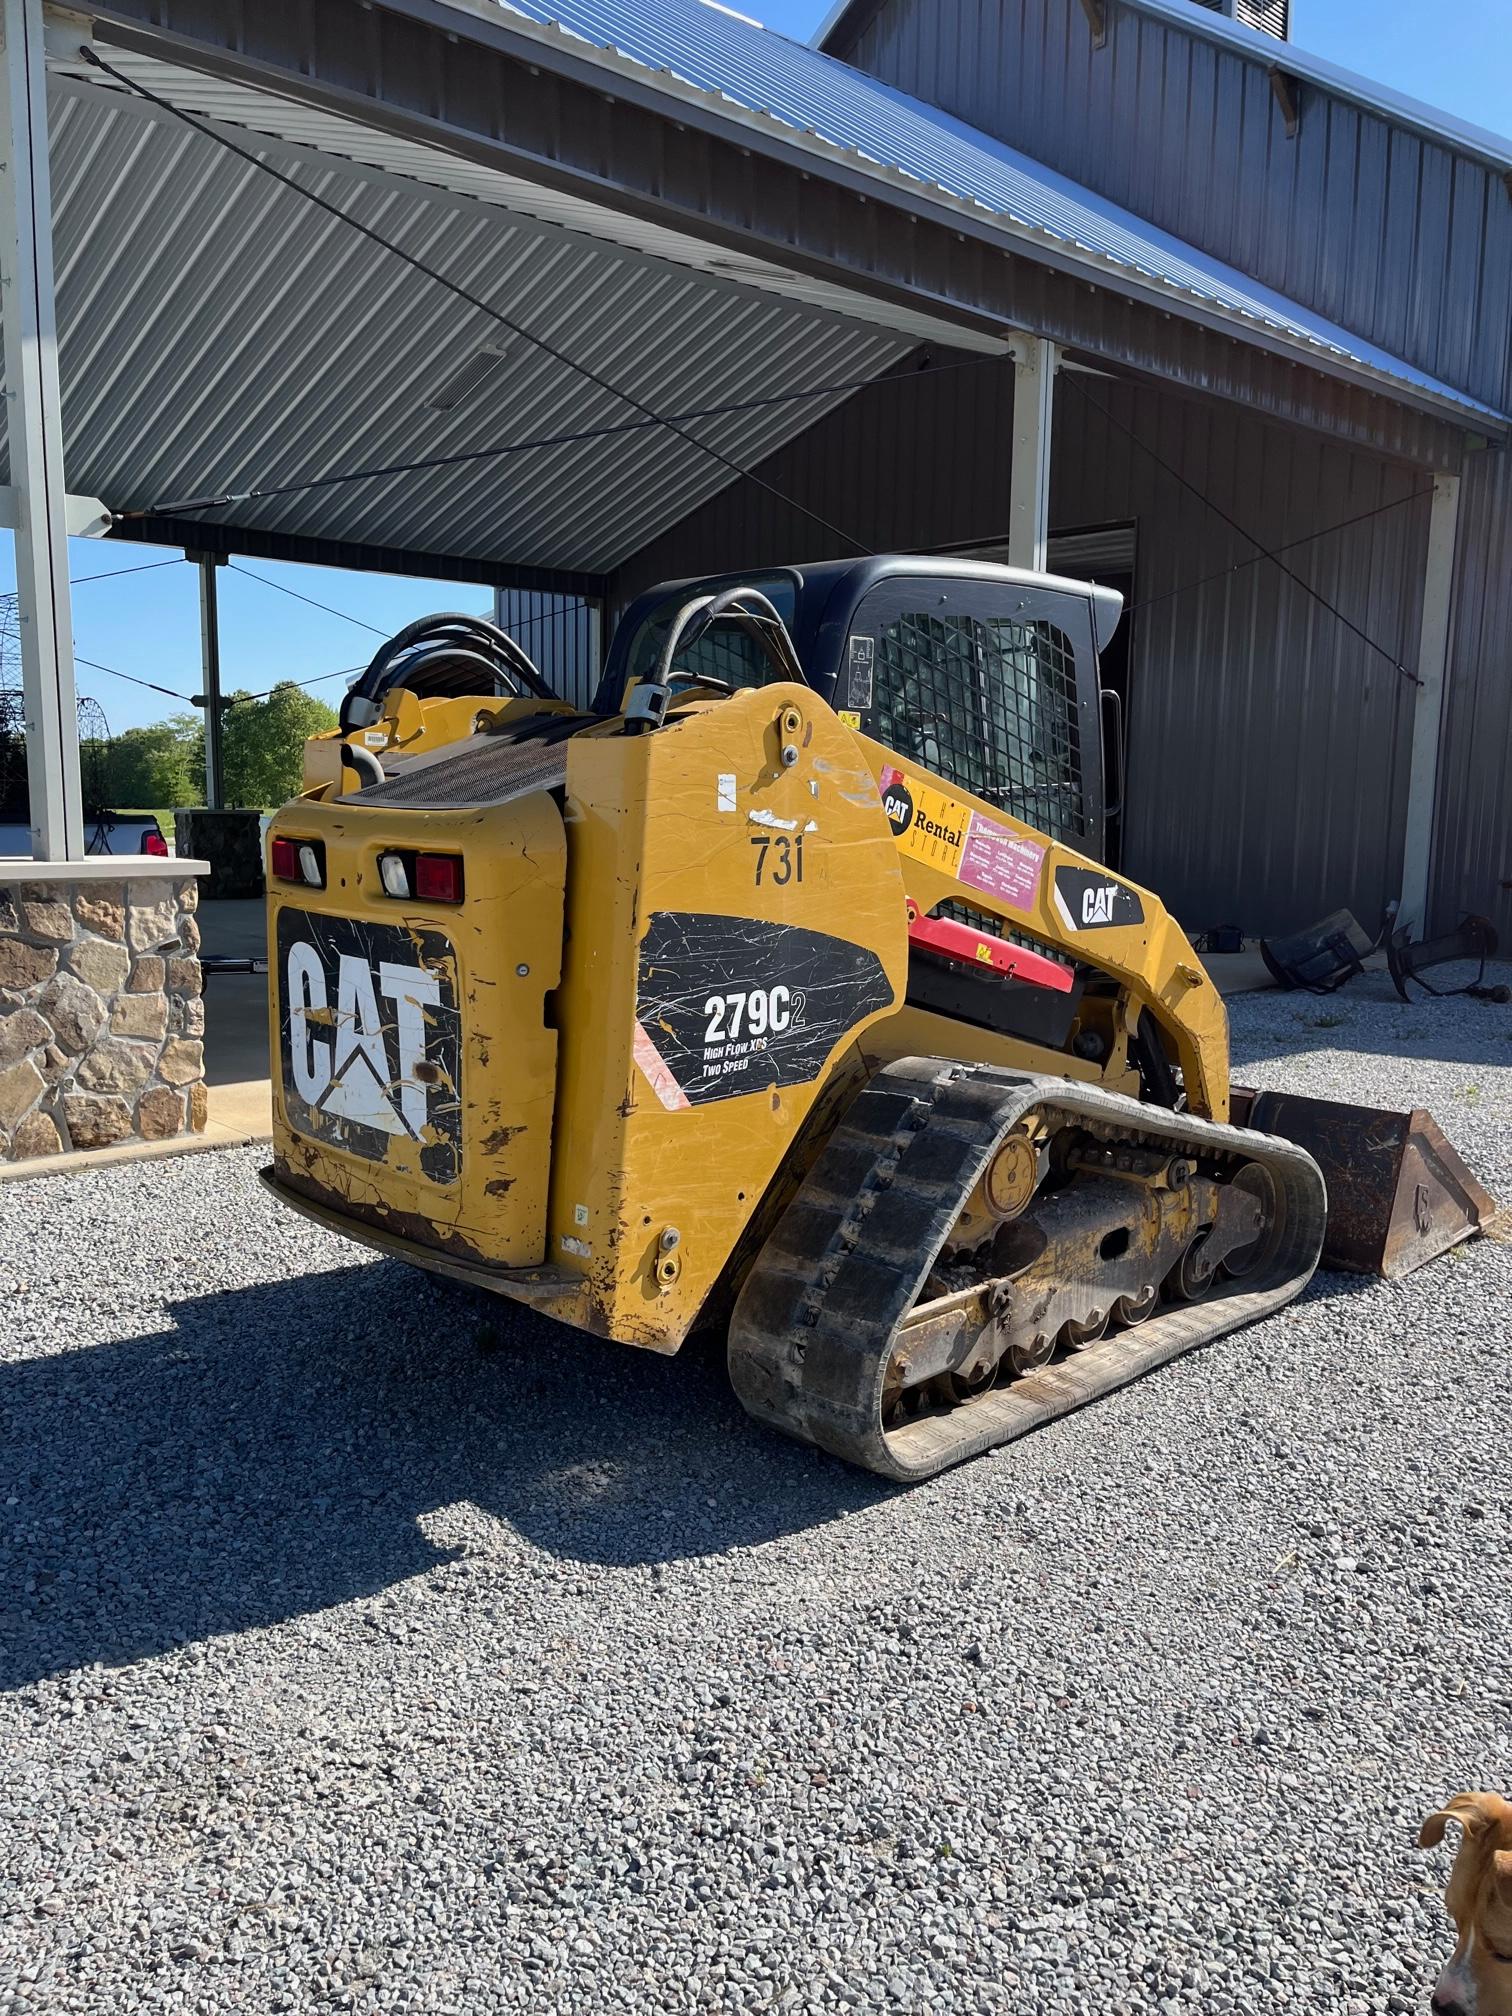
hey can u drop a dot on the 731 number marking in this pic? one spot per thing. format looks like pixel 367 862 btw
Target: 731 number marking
pixel 788 865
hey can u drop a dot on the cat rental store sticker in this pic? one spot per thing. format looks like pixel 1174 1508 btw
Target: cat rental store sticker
pixel 949 836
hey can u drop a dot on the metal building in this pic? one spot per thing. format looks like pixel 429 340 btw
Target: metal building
pixel 1392 218
pixel 565 295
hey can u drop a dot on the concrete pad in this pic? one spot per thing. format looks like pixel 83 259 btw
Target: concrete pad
pixel 239 1115
pixel 241 1112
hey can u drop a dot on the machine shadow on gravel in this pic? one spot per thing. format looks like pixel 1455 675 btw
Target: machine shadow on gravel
pixel 274 1453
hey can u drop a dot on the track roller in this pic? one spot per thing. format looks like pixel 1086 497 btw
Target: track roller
pixel 1018 1246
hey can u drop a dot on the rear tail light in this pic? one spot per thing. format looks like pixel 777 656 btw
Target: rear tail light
pixel 438 878
pixel 155 844
pixel 298 861
pixel 429 878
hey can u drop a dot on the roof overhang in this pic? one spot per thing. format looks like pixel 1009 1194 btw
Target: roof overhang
pixel 217 337
pixel 1252 313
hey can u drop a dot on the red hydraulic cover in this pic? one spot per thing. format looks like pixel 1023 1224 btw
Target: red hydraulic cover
pixel 980 948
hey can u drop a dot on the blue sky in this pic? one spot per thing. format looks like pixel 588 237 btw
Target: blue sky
pixel 147 623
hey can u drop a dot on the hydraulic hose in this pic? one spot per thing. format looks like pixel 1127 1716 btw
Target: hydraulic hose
pixel 432 645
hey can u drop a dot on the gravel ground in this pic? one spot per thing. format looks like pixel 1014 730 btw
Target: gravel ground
pixel 369 1646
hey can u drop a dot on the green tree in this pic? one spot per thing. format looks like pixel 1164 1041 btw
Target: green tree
pixel 262 744
pixel 160 766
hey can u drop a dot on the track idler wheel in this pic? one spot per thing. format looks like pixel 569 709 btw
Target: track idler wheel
pixel 1194 1273
pixel 1251 1182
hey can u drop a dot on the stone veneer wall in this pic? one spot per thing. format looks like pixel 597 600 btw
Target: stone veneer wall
pixel 101 1018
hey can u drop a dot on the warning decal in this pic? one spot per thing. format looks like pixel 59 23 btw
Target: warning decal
pixel 863 665
pixel 948 835
pixel 728 1005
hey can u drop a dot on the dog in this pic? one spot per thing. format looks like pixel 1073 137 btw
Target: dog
pixel 1477 1981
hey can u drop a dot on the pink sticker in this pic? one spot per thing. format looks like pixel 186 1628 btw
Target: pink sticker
pixel 997 860
pixel 663 1081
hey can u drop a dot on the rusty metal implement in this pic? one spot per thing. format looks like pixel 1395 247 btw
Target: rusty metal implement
pixel 1398 1193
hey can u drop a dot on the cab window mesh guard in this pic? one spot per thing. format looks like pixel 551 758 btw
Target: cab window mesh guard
pixel 989 704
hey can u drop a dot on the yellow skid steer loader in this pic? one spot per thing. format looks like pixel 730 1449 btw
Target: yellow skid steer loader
pixel 784 988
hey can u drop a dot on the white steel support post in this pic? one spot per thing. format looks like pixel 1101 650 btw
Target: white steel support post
pixel 1428 707
pixel 35 428
pixel 1035 364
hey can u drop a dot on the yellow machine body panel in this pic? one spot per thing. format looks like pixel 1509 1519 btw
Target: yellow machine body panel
pixel 628 1089
pixel 734 921
pixel 415 1068
pixel 954 848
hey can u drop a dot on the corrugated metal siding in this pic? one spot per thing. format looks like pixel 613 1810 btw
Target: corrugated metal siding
pixel 1473 824
pixel 1375 226
pixel 1268 746
pixel 561 635
pixel 917 462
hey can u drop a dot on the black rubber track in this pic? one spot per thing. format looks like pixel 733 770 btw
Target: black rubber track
pixel 814 1328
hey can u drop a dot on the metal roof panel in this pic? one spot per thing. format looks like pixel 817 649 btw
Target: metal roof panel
pixel 690 45
pixel 281 348
pixel 1209 26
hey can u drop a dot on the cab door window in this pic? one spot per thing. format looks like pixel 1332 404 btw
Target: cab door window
pixel 987 701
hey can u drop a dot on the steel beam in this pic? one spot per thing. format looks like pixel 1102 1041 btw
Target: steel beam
pixel 1035 363
pixel 34 425
pixel 313 551
pixel 1428 710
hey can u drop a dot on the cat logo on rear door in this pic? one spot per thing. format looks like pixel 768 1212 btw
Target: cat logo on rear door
pixel 369 1038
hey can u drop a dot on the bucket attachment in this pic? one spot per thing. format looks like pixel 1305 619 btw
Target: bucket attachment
pixel 1322 957
pixel 1398 1193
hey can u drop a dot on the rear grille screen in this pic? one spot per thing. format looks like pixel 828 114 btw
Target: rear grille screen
pixel 485 771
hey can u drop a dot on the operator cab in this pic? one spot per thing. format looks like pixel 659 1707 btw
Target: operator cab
pixel 985 675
